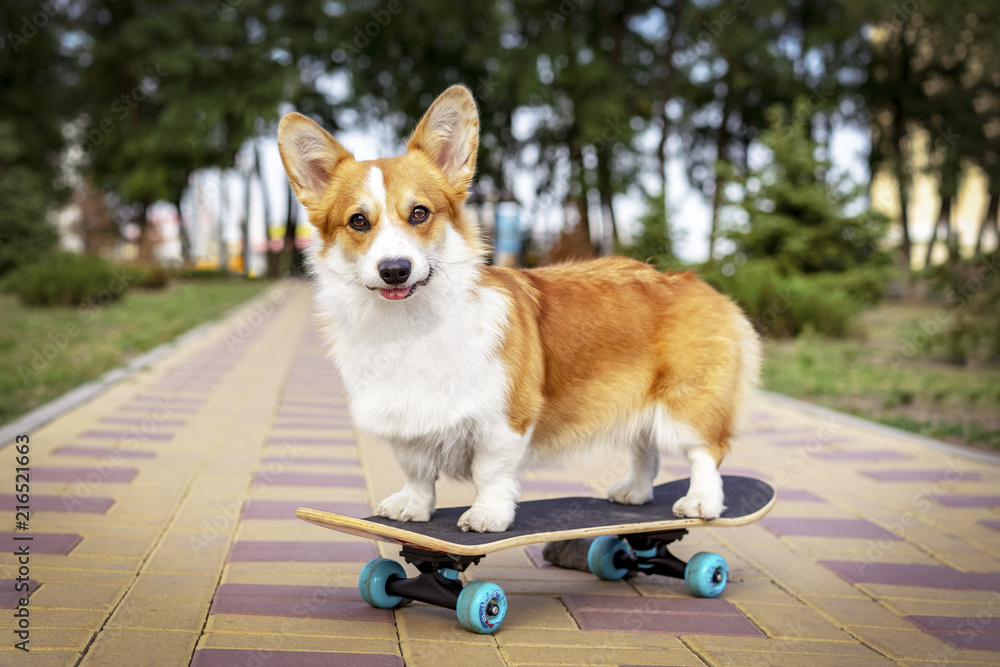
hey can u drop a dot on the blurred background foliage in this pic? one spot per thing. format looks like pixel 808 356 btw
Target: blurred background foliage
pixel 112 106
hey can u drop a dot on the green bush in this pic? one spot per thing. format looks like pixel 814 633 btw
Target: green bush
pixel 784 306
pixel 970 289
pixel 147 276
pixel 68 279
pixel 204 274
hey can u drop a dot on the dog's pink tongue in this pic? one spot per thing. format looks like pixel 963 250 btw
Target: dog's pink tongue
pixel 396 294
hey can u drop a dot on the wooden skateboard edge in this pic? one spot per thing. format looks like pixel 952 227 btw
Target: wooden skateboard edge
pixel 383 533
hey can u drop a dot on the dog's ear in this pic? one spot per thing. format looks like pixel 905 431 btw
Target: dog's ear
pixel 449 134
pixel 310 155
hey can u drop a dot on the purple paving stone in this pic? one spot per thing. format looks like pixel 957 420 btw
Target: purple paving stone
pixel 911 574
pixel 534 553
pixel 814 441
pixel 298 440
pixel 285 509
pixel 256 551
pixel 963 500
pixel 136 421
pixel 783 430
pixel 991 523
pixel 921 475
pixel 60 503
pixel 799 495
pixel 117 435
pixel 59 544
pixel 669 616
pixel 9 597
pixel 146 409
pixel 849 528
pixel 289 478
pixel 228 657
pixel 81 474
pixel 864 455
pixel 327 602
pixel 314 404
pixel 312 460
pixel 684 470
pixel 170 399
pixel 962 632
pixel 556 486
pixel 103 452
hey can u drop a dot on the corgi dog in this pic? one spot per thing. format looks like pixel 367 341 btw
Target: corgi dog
pixel 477 371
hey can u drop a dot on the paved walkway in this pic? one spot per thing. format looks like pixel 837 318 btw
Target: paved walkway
pixel 162 514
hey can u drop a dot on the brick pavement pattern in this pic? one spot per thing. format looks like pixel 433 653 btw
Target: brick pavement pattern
pixel 162 513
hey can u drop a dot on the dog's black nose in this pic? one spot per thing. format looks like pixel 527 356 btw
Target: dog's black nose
pixel 394 271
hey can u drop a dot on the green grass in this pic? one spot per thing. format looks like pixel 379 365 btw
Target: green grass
pixel 884 378
pixel 45 352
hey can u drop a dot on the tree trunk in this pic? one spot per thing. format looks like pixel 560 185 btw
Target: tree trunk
pixel 609 228
pixel 721 141
pixel 183 233
pixel 669 82
pixel 902 178
pixel 291 222
pixel 944 218
pixel 146 240
pixel 989 222
pixel 247 255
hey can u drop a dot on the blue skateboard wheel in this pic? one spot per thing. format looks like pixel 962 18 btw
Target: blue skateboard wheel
pixel 482 606
pixel 706 575
pixel 373 580
pixel 601 557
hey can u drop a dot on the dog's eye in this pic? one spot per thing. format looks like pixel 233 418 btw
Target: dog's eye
pixel 359 222
pixel 418 215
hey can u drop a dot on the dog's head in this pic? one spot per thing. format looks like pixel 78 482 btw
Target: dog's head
pixel 384 225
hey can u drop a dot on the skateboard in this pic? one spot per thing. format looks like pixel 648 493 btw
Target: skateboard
pixel 631 540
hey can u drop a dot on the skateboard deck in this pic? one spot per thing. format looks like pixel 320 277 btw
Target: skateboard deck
pixel 555 519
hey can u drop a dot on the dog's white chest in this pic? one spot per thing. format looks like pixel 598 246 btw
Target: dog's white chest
pixel 424 372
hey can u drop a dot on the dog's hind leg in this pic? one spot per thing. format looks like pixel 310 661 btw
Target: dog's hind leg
pixel 637 488
pixel 704 498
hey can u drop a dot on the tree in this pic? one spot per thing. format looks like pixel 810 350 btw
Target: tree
pixel 795 218
pixel 172 87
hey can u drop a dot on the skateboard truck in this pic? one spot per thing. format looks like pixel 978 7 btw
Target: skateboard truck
pixel 613 558
pixel 481 606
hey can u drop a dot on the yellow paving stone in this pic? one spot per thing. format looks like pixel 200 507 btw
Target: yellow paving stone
pixel 792 652
pixel 590 639
pixel 898 643
pixel 181 559
pixel 281 625
pixel 160 612
pixel 77 596
pixel 125 547
pixel 282 642
pixel 436 653
pixel 114 647
pixel 198 586
pixel 529 573
pixel 40 657
pixel 905 607
pixel 790 621
pixel 47 617
pixel 52 639
pixel 422 622
pixel 291 530
pixel 578 657
pixel 84 562
pixel 889 593
pixel 537 611
pixel 857 611
pixel 795 571
pixel 71 575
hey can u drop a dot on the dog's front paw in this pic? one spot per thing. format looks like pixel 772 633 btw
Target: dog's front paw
pixel 699 507
pixel 404 507
pixel 481 520
pixel 630 493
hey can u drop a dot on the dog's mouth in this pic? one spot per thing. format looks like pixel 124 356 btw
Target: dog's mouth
pixel 400 293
